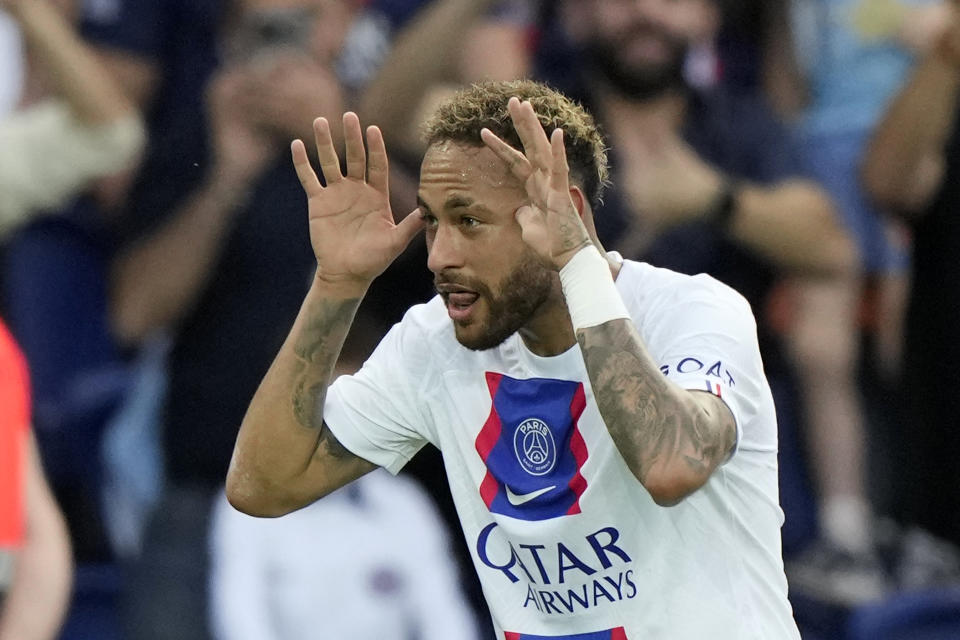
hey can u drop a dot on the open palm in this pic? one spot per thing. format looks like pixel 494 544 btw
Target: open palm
pixel 550 224
pixel 352 229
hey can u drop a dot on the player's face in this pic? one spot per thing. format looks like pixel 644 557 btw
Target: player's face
pixel 640 46
pixel 491 281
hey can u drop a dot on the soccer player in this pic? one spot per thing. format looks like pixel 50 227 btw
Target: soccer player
pixel 606 425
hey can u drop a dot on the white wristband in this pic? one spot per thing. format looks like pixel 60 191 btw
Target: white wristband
pixel 592 296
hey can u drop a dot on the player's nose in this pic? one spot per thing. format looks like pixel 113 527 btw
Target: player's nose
pixel 443 250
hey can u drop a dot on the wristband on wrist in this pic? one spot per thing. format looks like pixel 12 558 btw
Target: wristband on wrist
pixel 592 297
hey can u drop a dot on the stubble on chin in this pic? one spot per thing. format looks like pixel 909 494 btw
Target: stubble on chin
pixel 518 298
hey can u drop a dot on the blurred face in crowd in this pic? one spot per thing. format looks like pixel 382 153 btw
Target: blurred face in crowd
pixel 638 46
pixel 492 283
pixel 317 27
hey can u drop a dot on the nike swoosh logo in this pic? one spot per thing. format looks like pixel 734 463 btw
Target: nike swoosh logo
pixel 517 500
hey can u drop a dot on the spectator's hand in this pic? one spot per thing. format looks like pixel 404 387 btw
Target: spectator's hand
pixel 923 26
pixel 352 229
pixel 242 149
pixel 550 224
pixel 666 181
pixel 288 91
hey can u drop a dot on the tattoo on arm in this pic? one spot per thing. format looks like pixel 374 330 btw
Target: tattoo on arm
pixel 649 421
pixel 317 349
pixel 572 236
pixel 329 444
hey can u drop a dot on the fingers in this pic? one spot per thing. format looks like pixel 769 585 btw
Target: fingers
pixel 379 169
pixel 533 228
pixel 355 153
pixel 353 137
pixel 408 228
pixel 526 216
pixel 559 169
pixel 329 162
pixel 518 163
pixel 308 179
pixel 534 139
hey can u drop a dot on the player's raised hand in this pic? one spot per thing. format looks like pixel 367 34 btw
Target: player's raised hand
pixel 352 229
pixel 551 224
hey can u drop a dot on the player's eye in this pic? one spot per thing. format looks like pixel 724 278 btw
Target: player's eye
pixel 469 222
pixel 429 220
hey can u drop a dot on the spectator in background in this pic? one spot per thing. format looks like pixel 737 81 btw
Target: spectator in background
pixel 35 564
pixel 687 157
pixel 219 257
pixel 75 128
pixel 481 40
pixel 75 124
pixel 847 60
pixel 911 166
pixel 370 562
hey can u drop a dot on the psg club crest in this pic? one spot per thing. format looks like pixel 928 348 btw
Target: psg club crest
pixel 533 443
pixel 532 447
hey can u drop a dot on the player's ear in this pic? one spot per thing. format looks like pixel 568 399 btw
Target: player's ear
pixel 582 205
pixel 579 200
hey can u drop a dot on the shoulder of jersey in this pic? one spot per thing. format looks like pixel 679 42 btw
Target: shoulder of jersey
pixel 651 286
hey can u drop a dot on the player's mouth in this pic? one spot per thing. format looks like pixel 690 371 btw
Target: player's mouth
pixel 461 302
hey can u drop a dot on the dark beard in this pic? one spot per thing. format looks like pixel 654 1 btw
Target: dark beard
pixel 636 83
pixel 520 295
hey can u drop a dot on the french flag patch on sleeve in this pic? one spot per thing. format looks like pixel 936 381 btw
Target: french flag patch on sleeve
pixel 713 387
pixel 609 634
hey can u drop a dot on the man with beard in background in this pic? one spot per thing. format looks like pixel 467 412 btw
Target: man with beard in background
pixel 690 154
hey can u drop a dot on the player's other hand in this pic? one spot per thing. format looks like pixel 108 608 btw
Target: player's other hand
pixel 550 224
pixel 352 229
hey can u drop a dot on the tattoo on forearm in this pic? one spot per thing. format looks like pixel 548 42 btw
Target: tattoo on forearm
pixel 317 349
pixel 645 418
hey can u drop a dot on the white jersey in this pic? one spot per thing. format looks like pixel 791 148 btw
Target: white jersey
pixel 566 541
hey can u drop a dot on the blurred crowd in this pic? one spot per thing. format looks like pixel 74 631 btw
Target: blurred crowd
pixel 154 252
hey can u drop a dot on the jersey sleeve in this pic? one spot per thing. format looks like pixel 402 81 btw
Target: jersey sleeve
pixel 712 347
pixel 14 424
pixel 375 413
